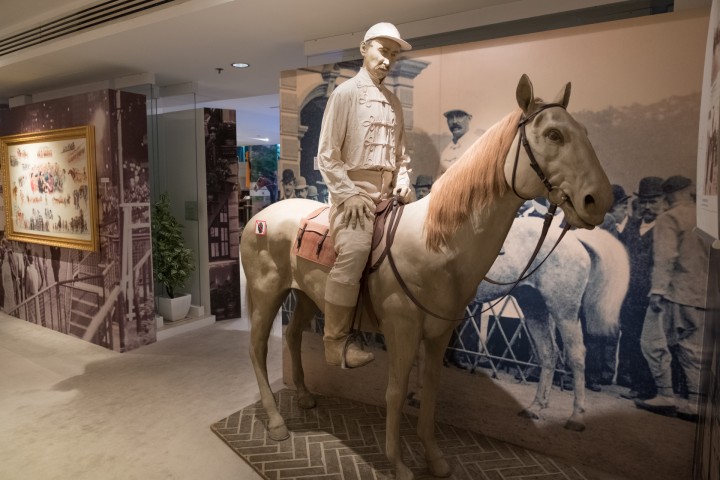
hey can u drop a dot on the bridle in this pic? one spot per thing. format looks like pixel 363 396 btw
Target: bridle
pixel 523 140
pixel 555 196
pixel 554 193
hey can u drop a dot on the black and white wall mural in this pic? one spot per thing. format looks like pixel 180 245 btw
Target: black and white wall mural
pixel 636 87
pixel 105 297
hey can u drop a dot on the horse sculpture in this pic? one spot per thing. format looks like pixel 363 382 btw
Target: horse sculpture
pixel 444 245
pixel 585 279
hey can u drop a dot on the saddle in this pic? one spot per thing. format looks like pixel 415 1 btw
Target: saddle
pixel 314 242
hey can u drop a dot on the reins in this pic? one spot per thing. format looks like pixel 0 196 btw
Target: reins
pixel 396 215
pixel 548 217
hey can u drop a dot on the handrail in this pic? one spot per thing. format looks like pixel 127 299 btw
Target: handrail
pixel 98 318
pixel 49 287
pixel 143 260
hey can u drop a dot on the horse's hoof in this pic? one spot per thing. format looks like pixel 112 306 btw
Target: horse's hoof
pixel 278 433
pixel 306 401
pixel 575 426
pixel 404 474
pixel 529 414
pixel 439 467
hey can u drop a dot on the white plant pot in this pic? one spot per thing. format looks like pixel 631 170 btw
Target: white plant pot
pixel 173 309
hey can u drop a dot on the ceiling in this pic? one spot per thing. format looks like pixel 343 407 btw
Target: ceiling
pixel 180 46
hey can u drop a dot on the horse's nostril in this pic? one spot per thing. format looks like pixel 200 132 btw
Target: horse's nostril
pixel 589 201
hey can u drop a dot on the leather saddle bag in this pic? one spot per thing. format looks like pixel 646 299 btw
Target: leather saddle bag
pixel 313 241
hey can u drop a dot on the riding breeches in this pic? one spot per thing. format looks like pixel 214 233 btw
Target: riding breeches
pixel 353 244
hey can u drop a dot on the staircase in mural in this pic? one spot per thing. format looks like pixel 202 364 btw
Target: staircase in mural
pixel 85 296
pixel 85 301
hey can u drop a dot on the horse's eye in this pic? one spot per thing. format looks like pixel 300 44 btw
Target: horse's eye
pixel 555 136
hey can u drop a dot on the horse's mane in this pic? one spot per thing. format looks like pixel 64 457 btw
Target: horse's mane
pixel 474 181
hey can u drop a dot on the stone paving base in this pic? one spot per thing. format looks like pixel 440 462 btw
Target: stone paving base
pixel 345 440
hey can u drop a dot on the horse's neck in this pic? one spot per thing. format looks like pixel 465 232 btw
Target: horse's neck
pixel 476 246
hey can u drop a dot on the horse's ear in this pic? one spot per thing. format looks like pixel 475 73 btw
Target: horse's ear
pixel 563 96
pixel 524 93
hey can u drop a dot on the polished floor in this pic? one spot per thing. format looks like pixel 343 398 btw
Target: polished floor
pixel 73 410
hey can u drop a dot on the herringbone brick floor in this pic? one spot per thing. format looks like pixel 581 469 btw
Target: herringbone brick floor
pixel 345 440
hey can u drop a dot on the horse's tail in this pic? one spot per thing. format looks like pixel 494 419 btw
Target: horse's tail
pixel 608 282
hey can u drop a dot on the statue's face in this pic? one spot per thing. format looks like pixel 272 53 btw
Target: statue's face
pixel 379 56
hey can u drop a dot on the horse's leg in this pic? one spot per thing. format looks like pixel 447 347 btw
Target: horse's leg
pixel 305 310
pixel 402 338
pixel 414 396
pixel 262 309
pixel 571 332
pixel 542 331
pixel 434 352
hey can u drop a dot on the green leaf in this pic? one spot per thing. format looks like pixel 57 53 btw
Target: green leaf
pixel 172 260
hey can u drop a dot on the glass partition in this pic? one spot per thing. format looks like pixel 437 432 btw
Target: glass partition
pixel 173 128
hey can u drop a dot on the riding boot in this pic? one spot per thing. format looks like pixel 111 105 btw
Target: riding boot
pixel 663 403
pixel 338 321
pixel 688 408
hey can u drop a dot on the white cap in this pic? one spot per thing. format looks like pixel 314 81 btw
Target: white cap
pixel 386 30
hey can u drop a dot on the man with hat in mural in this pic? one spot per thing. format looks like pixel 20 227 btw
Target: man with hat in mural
pixel 362 158
pixel 301 188
pixel 312 193
pixel 458 122
pixel 422 186
pixel 617 217
pixel 675 317
pixel 637 236
pixel 288 184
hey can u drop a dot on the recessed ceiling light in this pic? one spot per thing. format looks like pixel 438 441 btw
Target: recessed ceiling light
pixel 240 65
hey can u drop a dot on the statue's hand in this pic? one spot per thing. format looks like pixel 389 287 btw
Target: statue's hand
pixel 403 194
pixel 356 209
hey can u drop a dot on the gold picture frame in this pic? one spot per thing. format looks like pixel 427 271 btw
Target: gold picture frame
pixel 49 188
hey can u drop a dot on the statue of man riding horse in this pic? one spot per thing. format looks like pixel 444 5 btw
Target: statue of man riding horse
pixel 443 244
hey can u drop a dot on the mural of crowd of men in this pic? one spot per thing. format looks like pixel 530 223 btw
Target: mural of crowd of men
pixel 656 354
pixel 297 187
pixel 24 272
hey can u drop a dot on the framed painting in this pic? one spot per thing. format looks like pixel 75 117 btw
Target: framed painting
pixel 49 188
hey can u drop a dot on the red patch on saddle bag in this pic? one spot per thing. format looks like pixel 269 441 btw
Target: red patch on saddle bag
pixel 313 241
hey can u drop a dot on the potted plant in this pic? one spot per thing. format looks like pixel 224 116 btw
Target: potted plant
pixel 172 261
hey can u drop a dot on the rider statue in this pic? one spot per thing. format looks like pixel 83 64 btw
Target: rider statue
pixel 361 156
